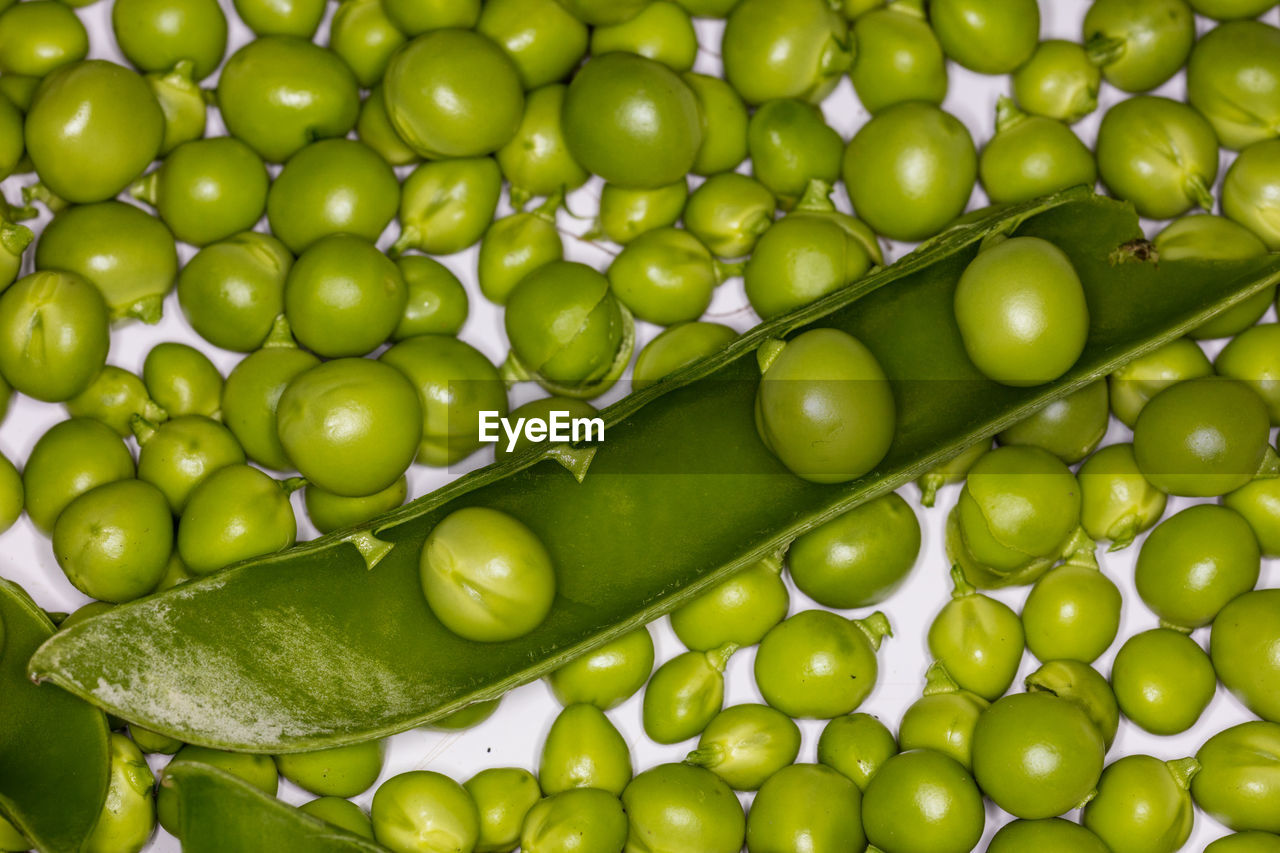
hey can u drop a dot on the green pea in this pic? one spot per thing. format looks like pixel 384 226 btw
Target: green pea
pixel 234 514
pixel 184 105
pixel 341 813
pixel 632 121
pixel 1244 635
pixel 447 205
pixel 1207 237
pixel 503 797
pixel 1245 842
pixel 155 35
pixel 1048 835
pixel 1143 804
pixel 1239 780
pixel 790 145
pixel 341 771
pixel 20 89
pixel 330 512
pixel 665 276
pixel 1082 686
pixel 942 720
pixel 414 17
pixel 952 471
pixel 708 8
pixel 661 31
pixel 676 807
pixel 857 745
pixel 544 408
pixel 822 389
pixel 537 161
pixel 603 13
pixel 1159 154
pixel 684 694
pixel 279 93
pixel 515 246
pixel 584 820
pixel 627 214
pixel 113 542
pixel 728 213
pixel 898 57
pixel 181 453
pixel 1259 503
pixel 1163 681
pixel 1059 81
pixel 365 37
pixel 1031 156
pixel 1069 428
pixel 330 187
pixel 232 291
pixel 424 812
pixel 296 18
pixel 10 494
pixel 1139 43
pixel 724 125
pixel 126 254
pixel 251 394
pixel 1134 384
pixel 541 37
pixel 859 558
pixel 910 171
pixel 806 807
pixel 790 49
pixel 676 348
pixel 73 457
pixel 978 639
pixel 466 717
pixel 922 800
pixel 1248 193
pixel 182 380
pixel 819 664
pixel 175 573
pixel 1072 613
pixel 12 153
pixel 343 297
pixel 128 816
pixel 351 426
pixel 746 744
pixel 153 743
pixel 258 770
pixel 1232 79
pixel 455 384
pixel 52 367
pixel 1251 358
pixel 607 675
pixel 583 750
pixel 374 129
pixel 40 36
pixel 987 36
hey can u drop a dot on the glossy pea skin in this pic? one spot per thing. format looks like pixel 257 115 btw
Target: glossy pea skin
pixel 1259 503
pixel 1202 437
pixel 40 36
pixel 536 161
pixel 10 494
pixel 987 36
pixel 12 153
pixel 182 380
pixel 819 664
pixel 20 89
pixel 341 813
pixel 447 205
pixel 52 367
pixel 129 256
pixel 541 37
pixel 234 514
pixel 910 171
pixel 113 541
pixel 1036 755
pixel 343 297
pixel 1058 82
pixel 1159 154
pixel 676 807
pixel 943 718
pixel 332 186
pixel 1143 804
pixel 790 145
pixel 724 125
pixel 857 745
pixel 685 694
pixel 708 8
pixel 1071 613
pixel 351 426
pixel 1048 835
pixel 362 34
pixel 232 291
pixel 1253 357
pixel 661 31
pixel 415 17
pixel 486 576
pixel 1233 77
pixel 583 750
pixel 436 303
pixel 653 129
pixel 1069 428
pixel 155 35
pixel 826 385
pixel 183 104
pixel 607 675
pixel 923 800
pixel 806 807
pixel 584 820
pixel 676 348
pixel 1134 384
pixel 1207 237
pixel 513 247
pixel 341 771
pixel 373 128
pixel 503 797
pixel 627 214
pixel 71 458
pixel 1139 43
pixel 791 49
pixel 665 276
pixel 1245 842
pixel 897 58
pixel 455 383
pixel 179 454
pixel 859 558
pixel 278 94
pixel 747 744
pixel 251 394
pixel 1022 313
pixel 603 13
pixel 1031 156
pixel 1245 636
pixel 330 512
pixel 207 190
pixel 1163 681
pixel 728 213
pixel 128 816
pixel 738 611
pixel 1239 779
pixel 978 640
pixel 424 812
pixel 296 18
pixel 258 770
pixel 453 93
pixel 1250 189
pixel 1083 686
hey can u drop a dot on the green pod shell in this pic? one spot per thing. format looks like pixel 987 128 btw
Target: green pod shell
pixel 258 770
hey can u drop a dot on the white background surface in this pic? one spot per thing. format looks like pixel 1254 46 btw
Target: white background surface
pixel 513 736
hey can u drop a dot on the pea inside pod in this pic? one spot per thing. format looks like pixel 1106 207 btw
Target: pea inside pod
pixel 1082 686
pixel 330 512
pixel 1069 428
pixel 584 750
pixel 818 664
pixel 676 348
pixel 684 694
pixel 747 744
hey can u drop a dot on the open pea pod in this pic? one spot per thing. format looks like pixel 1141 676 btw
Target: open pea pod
pixel 54 758
pixel 221 813
pixel 332 642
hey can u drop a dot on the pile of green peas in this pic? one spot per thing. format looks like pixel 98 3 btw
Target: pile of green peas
pixel 300 247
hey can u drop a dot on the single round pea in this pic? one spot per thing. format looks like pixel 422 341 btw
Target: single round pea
pixel 541 38
pixel 1253 357
pixel 373 128
pixel 806 807
pixel 1058 81
pixel 258 770
pixel 562 410
pixel 675 807
pixel 607 675
pixel 128 816
pixel 818 664
pixel 1232 79
pixel 329 187
pixel 236 513
pixel 1134 384
pixel 181 453
pixel 978 639
pixel 1047 835
pixel 665 276
pixel 343 297
pixel 486 576
pixel 232 291
pixel 365 37
pixel 351 426
pixel 603 13
pixel 746 744
pixel 922 800
pixel 987 36
pixel 182 380
pixel 1250 189
pixel 685 694
pixel 40 36
pixel 330 512
pixel 155 35
pixel 503 797
pixel 415 17
pixel 250 397
pixel 113 541
pixel 585 820
pixel 1031 156
pixel 1159 154
pixel 447 205
pixel 53 335
pixel 207 190
pixel 910 171
pixel 73 457
pixel 583 750
pixel 183 104
pixel 678 347
pixel 1245 842
pixel 943 718
pixel 825 407
pixel 1163 681
pixel 20 89
pixel 790 145
pixel 280 93
pixel 341 813
pixel 724 125
pixel 627 214
pixel 791 49
pixel 1139 43
pixel 1143 804
pixel 341 771
pixel 1239 779
pixel 536 161
pixel 897 58
pixel 424 812
pixel 10 494
pixel 1207 237
pixel 728 213
pixel 857 745
pixel 153 743
pixel 513 247
pixel 297 18
pixel 1082 686
pixel 1246 634
pixel 1069 428
pixel 1072 613
pixel 661 31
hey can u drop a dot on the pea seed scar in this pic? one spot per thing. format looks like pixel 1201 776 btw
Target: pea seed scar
pixel 558 426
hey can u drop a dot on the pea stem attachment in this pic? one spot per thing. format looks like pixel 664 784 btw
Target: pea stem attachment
pixel 38 192
pixel 1103 49
pixel 1080 550
pixel 147 188
pixel 148 309
pixel 960 586
pixel 281 335
pixel 143 429
pixel 1198 191
pixel 372 549
pixel 938 681
pixel 876 627
pixel 1269 467
pixel 1183 771
pixel 719 658
pixel 816 197
pixel 725 270
pixel 1008 114
pixel 12 213
pixel 15 238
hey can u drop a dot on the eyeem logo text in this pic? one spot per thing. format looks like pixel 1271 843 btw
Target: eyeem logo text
pixel 557 427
